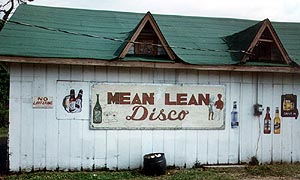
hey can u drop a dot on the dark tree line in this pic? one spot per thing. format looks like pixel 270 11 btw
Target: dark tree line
pixel 6 9
pixel 4 97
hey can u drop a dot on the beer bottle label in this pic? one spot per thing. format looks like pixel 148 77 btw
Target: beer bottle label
pixel 72 106
pixel 277 126
pixel 97 117
pixel 78 105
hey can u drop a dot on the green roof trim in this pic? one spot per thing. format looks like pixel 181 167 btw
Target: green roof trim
pixel 98 34
pixel 266 64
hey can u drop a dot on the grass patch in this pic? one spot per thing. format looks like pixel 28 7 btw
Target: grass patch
pixel 194 174
pixel 275 170
pixel 103 175
pixel 3 132
pixel 281 171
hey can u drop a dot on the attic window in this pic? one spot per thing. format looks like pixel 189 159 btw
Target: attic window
pixel 265 49
pixel 147 41
pixel 147 44
pixel 259 43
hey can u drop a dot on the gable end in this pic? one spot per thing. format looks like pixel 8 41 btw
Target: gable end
pixel 266 47
pixel 147 40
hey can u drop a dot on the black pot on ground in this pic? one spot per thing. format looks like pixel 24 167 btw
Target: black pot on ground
pixel 154 164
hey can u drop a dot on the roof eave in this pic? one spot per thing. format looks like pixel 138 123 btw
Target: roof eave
pixel 140 64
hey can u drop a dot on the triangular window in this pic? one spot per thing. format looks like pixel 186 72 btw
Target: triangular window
pixel 147 44
pixel 147 41
pixel 266 47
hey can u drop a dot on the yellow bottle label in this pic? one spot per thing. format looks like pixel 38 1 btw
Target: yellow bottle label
pixel 277 127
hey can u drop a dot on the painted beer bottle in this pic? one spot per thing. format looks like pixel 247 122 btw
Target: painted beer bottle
pixel 267 122
pixel 78 102
pixel 97 112
pixel 277 122
pixel 234 116
pixel 72 101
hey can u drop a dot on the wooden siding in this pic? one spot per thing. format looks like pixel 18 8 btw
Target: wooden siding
pixel 37 140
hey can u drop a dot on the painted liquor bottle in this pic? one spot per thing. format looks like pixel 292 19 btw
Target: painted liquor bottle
pixel 72 101
pixel 277 122
pixel 97 112
pixel 234 116
pixel 267 122
pixel 78 102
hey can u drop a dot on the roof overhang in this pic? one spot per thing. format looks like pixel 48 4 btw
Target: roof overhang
pixel 156 65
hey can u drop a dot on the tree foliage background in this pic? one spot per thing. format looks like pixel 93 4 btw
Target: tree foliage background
pixel 4 97
pixel 6 9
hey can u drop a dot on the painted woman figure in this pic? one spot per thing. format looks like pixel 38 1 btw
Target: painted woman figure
pixel 211 108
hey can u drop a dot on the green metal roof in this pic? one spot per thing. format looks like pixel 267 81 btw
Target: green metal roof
pixel 195 40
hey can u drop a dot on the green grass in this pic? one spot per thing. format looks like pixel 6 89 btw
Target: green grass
pixel 3 132
pixel 116 175
pixel 277 171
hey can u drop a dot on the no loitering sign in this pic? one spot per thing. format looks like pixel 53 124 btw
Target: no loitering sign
pixel 42 102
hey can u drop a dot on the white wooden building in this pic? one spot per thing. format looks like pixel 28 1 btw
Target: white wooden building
pixel 50 57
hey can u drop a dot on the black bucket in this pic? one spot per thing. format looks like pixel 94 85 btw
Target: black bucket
pixel 155 164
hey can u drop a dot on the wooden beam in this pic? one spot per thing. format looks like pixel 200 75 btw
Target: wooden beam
pixel 162 65
pixel 278 43
pixel 161 37
pixel 266 40
pixel 254 42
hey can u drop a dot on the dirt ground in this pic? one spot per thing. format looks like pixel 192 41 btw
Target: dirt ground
pixel 3 156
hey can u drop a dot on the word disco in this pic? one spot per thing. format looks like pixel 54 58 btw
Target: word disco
pixel 148 98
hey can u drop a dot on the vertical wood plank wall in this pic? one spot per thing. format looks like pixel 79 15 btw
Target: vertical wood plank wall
pixel 37 140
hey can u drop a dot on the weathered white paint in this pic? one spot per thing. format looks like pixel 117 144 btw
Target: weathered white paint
pixel 38 140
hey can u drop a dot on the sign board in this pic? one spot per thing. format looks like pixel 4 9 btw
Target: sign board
pixel 289 106
pixel 72 100
pixel 42 102
pixel 157 106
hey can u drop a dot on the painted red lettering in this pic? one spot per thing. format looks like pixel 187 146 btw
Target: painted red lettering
pixel 136 99
pixel 113 99
pixel 205 99
pixel 192 100
pixel 140 113
pixel 125 98
pixel 136 109
pixel 181 99
pixel 167 100
pixel 148 99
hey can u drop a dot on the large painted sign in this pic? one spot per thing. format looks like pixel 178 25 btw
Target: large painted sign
pixel 163 106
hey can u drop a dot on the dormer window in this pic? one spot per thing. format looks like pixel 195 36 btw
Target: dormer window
pixel 266 49
pixel 147 44
pixel 258 43
pixel 147 41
